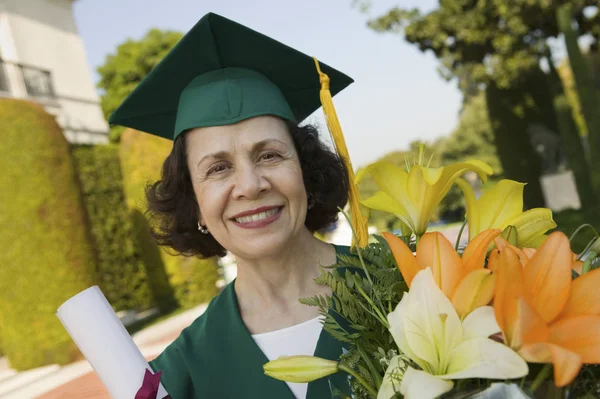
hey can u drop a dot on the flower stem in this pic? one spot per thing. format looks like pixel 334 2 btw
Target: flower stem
pixel 542 375
pixel 460 232
pixel 583 226
pixel 380 315
pixel 347 369
pixel 588 263
pixel 376 376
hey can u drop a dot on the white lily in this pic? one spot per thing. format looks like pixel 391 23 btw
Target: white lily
pixel 427 329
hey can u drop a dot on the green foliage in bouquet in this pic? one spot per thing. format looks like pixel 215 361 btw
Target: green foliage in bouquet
pixel 45 249
pixel 172 278
pixel 354 318
pixel 121 274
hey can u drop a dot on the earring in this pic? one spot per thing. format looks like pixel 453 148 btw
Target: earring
pixel 202 229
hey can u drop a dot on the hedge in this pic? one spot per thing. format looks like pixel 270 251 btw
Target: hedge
pixel 193 280
pixel 46 254
pixel 121 273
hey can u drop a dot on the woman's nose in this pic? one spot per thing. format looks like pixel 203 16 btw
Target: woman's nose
pixel 250 182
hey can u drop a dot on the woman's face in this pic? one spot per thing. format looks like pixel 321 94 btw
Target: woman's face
pixel 248 184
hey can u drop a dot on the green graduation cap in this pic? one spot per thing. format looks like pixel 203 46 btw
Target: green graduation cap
pixel 221 73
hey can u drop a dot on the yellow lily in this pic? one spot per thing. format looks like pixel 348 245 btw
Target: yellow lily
pixel 413 197
pixel 543 314
pixel 300 368
pixel 464 280
pixel 502 206
pixel 303 368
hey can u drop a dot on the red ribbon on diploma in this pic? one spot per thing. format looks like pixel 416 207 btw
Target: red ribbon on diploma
pixel 149 388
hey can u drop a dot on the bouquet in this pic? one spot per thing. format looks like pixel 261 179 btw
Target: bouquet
pixel 515 313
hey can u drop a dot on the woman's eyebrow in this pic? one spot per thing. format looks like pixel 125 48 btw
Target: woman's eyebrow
pixel 259 145
pixel 214 155
pixel 263 143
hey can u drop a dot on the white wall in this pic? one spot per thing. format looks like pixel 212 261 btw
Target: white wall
pixel 44 35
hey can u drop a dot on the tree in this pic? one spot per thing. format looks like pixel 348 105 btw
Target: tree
pixel 473 137
pixel 497 44
pixel 132 62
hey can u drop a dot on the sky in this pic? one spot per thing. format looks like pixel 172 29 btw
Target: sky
pixel 398 95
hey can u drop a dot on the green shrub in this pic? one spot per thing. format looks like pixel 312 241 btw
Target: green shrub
pixel 120 274
pixel 45 251
pixel 193 280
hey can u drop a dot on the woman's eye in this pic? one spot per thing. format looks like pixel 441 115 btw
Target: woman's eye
pixel 217 169
pixel 268 156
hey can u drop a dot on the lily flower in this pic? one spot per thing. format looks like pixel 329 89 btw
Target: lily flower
pixel 300 368
pixel 543 314
pixel 502 206
pixel 464 280
pixel 427 329
pixel 413 196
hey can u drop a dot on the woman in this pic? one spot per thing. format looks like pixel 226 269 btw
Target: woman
pixel 243 177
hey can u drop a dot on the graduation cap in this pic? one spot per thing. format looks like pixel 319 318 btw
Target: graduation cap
pixel 221 73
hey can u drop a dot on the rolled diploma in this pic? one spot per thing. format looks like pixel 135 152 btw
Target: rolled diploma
pixel 101 337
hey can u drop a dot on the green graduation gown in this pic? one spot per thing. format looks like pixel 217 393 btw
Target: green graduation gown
pixel 216 357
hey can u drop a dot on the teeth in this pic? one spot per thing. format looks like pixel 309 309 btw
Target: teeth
pixel 257 216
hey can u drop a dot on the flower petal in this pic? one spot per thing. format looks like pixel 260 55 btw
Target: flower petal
pixel 579 334
pixel 391 380
pixel 407 263
pixel 425 196
pixel 396 320
pixel 536 353
pixel 566 365
pixel 501 203
pixel 472 206
pixel 430 321
pixel 300 368
pixel 484 358
pixel 452 172
pixel 510 286
pixel 501 243
pixel 389 177
pixel 531 224
pixel 585 296
pixel 532 328
pixel 474 255
pixel 418 384
pixel 548 276
pixel 381 201
pixel 474 290
pixel 435 251
pixel 480 323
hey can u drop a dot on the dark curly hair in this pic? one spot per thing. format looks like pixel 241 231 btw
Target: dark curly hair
pixel 174 213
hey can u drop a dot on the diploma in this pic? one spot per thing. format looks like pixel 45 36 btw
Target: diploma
pixel 103 340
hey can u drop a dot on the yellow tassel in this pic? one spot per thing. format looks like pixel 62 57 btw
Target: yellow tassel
pixel 359 221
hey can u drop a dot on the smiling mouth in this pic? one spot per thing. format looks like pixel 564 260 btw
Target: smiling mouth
pixel 257 217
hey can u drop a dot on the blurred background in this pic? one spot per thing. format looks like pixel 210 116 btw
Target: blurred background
pixel 515 83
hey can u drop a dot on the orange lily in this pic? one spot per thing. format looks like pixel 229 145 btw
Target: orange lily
pixel 464 280
pixel 544 315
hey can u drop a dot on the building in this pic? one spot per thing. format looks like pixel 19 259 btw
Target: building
pixel 42 59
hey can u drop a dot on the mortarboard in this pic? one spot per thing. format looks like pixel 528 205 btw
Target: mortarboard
pixel 221 73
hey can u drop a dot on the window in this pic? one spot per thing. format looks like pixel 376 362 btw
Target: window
pixel 3 78
pixel 37 82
